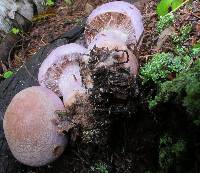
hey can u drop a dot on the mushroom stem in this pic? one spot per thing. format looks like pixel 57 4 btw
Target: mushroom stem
pixel 70 84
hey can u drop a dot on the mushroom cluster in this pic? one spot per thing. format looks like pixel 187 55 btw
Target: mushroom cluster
pixel 31 124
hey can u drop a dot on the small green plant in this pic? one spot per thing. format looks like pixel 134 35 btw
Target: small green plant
pixel 164 22
pixel 162 65
pixel 15 30
pixel 169 151
pixel 184 34
pixel 50 2
pixel 100 168
pixel 7 74
pixel 179 39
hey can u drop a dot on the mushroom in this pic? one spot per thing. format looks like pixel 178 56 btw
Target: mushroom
pixel 118 17
pixel 60 72
pixel 30 128
pixel 121 53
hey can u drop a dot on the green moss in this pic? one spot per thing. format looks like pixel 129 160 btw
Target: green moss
pixel 164 22
pixel 162 65
pixel 169 151
pixel 100 168
pixel 183 35
pixel 185 87
pixel 195 52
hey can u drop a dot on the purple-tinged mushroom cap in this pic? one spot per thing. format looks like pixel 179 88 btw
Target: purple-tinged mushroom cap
pixel 30 129
pixel 60 71
pixel 118 16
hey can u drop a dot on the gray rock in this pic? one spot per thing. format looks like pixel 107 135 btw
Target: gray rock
pixel 14 13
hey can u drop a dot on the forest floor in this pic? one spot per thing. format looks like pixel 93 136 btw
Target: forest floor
pixel 134 144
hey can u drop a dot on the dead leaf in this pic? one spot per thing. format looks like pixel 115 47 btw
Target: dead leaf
pixel 88 8
pixel 163 37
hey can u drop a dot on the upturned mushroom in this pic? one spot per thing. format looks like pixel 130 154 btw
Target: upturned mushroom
pixel 60 72
pixel 30 128
pixel 118 17
pixel 121 53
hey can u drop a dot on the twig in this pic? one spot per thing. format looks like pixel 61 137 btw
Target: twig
pixel 195 15
pixel 30 73
pixel 9 55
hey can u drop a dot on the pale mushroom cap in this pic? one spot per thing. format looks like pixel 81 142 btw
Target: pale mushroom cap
pixel 56 63
pixel 30 128
pixel 119 15
pixel 112 42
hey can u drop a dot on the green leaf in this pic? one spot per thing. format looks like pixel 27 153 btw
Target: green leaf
pixel 163 6
pixel 166 6
pixel 176 4
pixel 8 74
pixel 15 30
pixel 50 2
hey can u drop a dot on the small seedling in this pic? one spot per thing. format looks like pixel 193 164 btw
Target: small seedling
pixel 50 2
pixel 8 74
pixel 15 30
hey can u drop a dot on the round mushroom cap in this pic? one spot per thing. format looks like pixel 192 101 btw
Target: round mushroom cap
pixel 123 54
pixel 57 63
pixel 30 128
pixel 112 16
